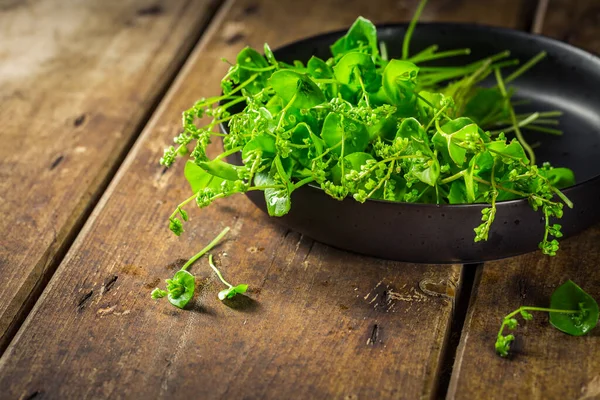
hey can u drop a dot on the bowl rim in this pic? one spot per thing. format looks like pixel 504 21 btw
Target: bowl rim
pixel 224 126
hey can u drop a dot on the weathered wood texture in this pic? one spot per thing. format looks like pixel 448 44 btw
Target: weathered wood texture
pixel 319 323
pixel 574 21
pixel 546 364
pixel 76 81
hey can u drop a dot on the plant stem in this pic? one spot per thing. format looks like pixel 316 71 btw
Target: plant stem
pixel 442 54
pixel 528 308
pixel 411 28
pixel 206 249
pixel 304 182
pixel 228 153
pixel 212 265
pixel 454 177
pixel 525 67
pixel 513 118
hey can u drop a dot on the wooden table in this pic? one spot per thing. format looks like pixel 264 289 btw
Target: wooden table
pixel 90 94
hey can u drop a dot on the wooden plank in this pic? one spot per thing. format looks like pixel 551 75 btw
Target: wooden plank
pixel 545 363
pixel 76 81
pixel 320 323
pixel 574 22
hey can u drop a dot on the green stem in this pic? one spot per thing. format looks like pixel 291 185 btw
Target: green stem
pixel 411 28
pixel 525 67
pixel 264 69
pixel 521 124
pixel 212 265
pixel 206 249
pixel 303 182
pixel 513 118
pixel 174 214
pixel 441 54
pixel 454 177
pixel 228 153
pixel 528 308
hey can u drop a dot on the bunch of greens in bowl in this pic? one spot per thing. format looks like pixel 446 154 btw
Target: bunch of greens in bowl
pixel 362 125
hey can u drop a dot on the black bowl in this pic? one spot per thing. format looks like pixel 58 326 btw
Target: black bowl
pixel 567 80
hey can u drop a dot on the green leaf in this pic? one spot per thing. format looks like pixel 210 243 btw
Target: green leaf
pixel 181 288
pixel 250 58
pixel 458 193
pixel 319 69
pixel 511 152
pixel 450 143
pixel 559 177
pixel 456 124
pixel 430 174
pixel 269 55
pixel 399 83
pixel 278 200
pixel 361 33
pixel 263 142
pixel 354 133
pixel 569 296
pixel 484 102
pixel 199 178
pixel 220 169
pixel 352 63
pixel 291 85
pixel 232 291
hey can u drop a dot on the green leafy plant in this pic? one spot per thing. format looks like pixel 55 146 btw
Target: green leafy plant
pixel 571 310
pixel 231 290
pixel 181 288
pixel 362 125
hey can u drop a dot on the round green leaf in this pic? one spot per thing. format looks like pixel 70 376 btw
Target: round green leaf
pixel 263 142
pixel 319 69
pixel 288 84
pixel 189 283
pixel 361 33
pixel 559 177
pixel 251 58
pixel 278 201
pixel 336 127
pixel 345 72
pixel 199 178
pixel 399 83
pixel 569 296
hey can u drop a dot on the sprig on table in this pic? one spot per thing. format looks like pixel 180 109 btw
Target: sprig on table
pixel 231 290
pixel 181 288
pixel 572 311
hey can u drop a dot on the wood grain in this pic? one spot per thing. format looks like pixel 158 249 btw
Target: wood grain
pixel 318 323
pixel 546 364
pixel 574 22
pixel 76 81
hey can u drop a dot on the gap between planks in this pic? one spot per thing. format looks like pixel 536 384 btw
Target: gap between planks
pixel 82 216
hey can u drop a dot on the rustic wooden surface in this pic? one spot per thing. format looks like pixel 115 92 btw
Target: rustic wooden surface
pixel 76 81
pixel 545 363
pixel 319 323
pixel 575 22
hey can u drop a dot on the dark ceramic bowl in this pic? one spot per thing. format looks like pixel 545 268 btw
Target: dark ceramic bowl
pixel 567 80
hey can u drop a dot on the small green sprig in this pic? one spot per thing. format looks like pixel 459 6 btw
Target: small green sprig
pixel 572 311
pixel 231 290
pixel 181 288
